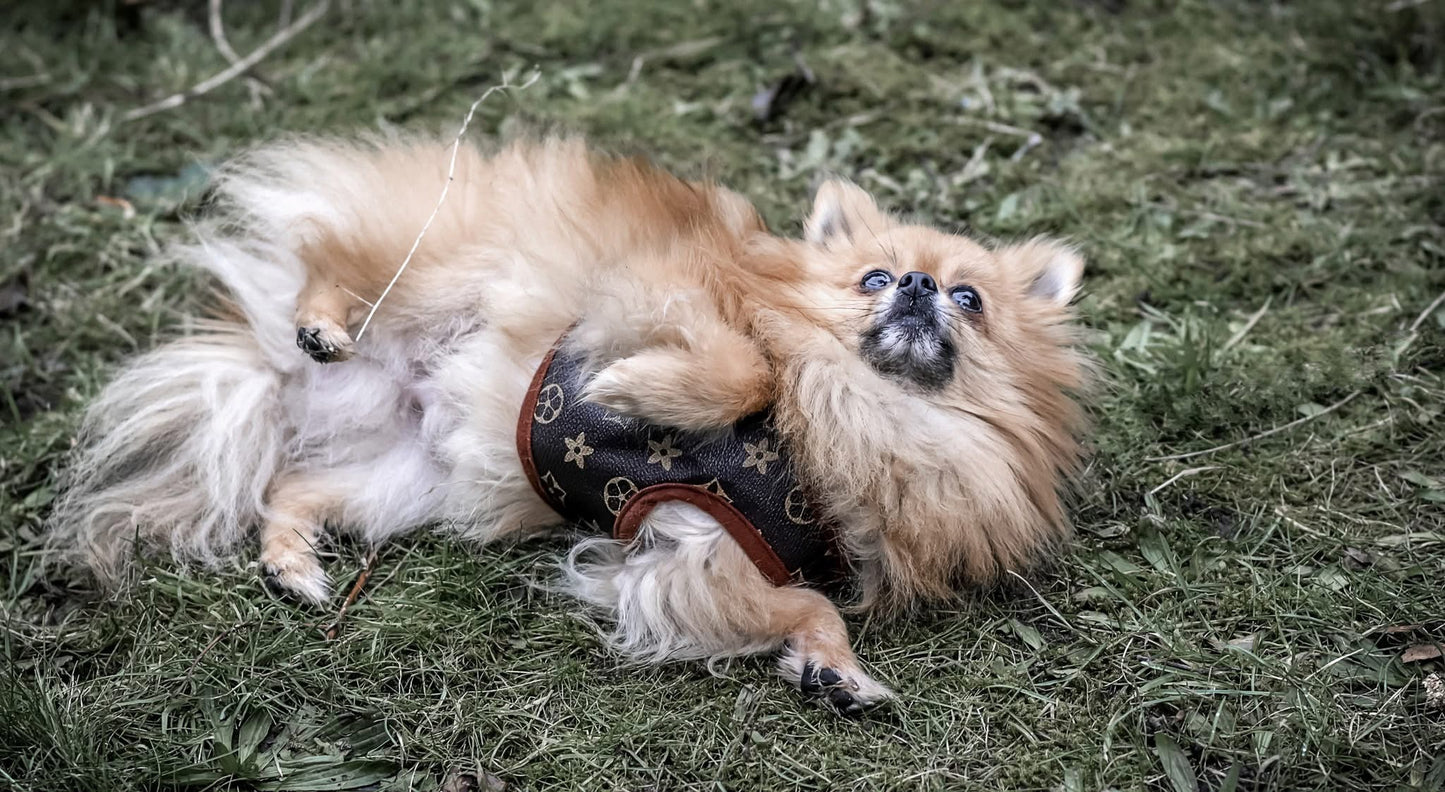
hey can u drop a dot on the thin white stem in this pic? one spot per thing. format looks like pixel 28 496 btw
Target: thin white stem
pixel 446 187
pixel 1429 309
pixel 218 32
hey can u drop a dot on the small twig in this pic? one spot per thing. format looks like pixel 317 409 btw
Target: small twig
pixel 1002 129
pixel 1429 309
pixel 1261 435
pixel 218 36
pixel 235 69
pixel 353 595
pixel 1248 325
pixel 446 187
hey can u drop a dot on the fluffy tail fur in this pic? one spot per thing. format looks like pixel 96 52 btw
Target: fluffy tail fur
pixel 178 450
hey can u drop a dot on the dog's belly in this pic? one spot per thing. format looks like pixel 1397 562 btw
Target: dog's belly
pixel 467 398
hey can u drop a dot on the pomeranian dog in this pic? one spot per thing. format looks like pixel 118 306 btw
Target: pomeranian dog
pixel 914 388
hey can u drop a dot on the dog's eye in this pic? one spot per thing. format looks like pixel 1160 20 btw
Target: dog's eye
pixel 967 299
pixel 875 280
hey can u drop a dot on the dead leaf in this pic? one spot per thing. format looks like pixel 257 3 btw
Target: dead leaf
pixel 459 782
pixel 1357 559
pixel 1419 652
pixel 1244 643
pixel 480 781
pixel 770 102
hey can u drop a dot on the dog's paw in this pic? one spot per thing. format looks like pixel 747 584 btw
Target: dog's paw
pixel 296 575
pixel 324 341
pixel 650 386
pixel 841 685
pixel 619 388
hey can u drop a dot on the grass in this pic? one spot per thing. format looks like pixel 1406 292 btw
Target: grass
pixel 1258 187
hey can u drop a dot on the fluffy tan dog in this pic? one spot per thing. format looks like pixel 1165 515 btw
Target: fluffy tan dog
pixel 920 380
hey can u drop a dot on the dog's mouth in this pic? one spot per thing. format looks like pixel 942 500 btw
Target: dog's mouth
pixel 909 342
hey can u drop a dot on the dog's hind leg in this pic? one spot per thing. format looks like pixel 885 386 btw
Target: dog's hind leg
pixel 324 312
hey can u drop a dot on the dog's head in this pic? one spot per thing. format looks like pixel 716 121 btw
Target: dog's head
pixel 926 387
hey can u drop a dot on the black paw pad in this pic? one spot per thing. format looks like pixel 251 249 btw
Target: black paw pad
pixel 309 340
pixel 827 684
pixel 845 702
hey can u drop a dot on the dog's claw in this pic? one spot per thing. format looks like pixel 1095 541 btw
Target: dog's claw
pixel 316 343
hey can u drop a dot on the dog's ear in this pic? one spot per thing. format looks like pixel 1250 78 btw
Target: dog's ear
pixel 841 212
pixel 1050 270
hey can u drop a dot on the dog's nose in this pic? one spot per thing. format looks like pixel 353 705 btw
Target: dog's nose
pixel 917 283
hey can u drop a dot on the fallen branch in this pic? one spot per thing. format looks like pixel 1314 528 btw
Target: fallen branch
pixel 446 187
pixel 237 68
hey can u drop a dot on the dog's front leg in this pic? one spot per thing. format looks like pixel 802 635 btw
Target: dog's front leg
pixel 817 658
pixel 717 379
pixel 686 589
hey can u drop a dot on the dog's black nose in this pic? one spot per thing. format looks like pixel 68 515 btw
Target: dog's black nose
pixel 917 283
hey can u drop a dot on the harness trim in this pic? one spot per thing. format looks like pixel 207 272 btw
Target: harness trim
pixel 739 527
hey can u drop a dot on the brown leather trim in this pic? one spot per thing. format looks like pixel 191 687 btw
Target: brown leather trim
pixel 739 527
pixel 524 427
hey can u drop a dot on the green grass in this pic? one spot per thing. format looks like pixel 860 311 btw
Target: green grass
pixel 1219 622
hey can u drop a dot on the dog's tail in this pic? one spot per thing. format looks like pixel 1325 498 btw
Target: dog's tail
pixel 177 452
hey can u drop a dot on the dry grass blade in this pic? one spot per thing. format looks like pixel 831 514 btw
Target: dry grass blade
pixel 1429 309
pixel 1260 436
pixel 1248 325
pixel 446 188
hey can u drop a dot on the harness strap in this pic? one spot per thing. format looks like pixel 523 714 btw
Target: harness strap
pixel 524 428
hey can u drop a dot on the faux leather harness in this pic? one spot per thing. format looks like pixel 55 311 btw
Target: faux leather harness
pixel 602 470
